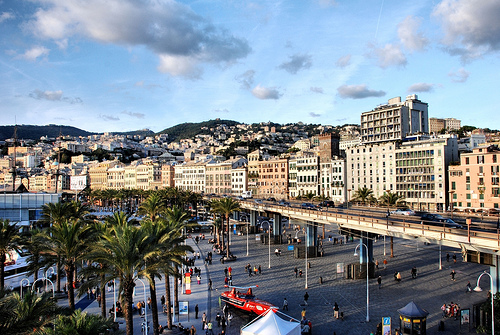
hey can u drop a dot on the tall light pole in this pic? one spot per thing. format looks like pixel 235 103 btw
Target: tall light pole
pixel 367 280
pixel 248 228
pixel 114 300
pixel 269 241
pixel 478 289
pixel 348 197
pixel 306 257
pixel 21 285
pixel 451 203
pixel 145 305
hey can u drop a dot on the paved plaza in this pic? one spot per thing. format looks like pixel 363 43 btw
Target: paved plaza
pixel 429 290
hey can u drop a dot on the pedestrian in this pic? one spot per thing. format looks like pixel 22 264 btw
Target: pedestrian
pixel 454 258
pixel 413 272
pixel 376 264
pixel 229 270
pixel 398 277
pixel 198 279
pixel 443 308
pixel 303 313
pixel 210 284
pixel 296 271
pixel 379 281
pixel 385 263
pixel 468 287
pixel 203 319
pixel 260 270
pixel 99 300
pixel 452 274
pixel 285 304
pixel 209 328
pixel 218 318
pixel 306 297
pixel 225 271
pixel 249 271
pixel 229 318
pixel 336 310
pixel 196 309
pixel 300 273
pixel 447 257
pixel 162 300
pixel 192 331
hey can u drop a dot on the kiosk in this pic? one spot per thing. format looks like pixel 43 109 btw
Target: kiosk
pixel 413 319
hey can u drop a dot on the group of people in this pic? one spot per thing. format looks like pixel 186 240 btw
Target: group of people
pixel 450 310
pixel 255 271
pixel 297 272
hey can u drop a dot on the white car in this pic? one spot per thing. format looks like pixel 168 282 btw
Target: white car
pixel 401 211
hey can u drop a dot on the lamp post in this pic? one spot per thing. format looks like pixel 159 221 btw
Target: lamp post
pixel 33 286
pixel 348 197
pixel 269 241
pixel 306 257
pixel 21 285
pixel 248 228
pixel 145 306
pixel 478 289
pixel 451 203
pixel 114 300
pixel 367 281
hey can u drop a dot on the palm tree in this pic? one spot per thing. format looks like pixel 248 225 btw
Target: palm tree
pixel 363 195
pixel 226 206
pixel 124 248
pixel 152 207
pixel 35 242
pixel 28 314
pixel 80 323
pixel 391 199
pixel 68 240
pixel 9 240
pixel 176 219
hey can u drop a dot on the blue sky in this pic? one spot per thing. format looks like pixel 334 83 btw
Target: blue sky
pixel 120 65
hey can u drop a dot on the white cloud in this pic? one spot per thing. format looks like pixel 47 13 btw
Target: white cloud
pixel 6 16
pixel 471 26
pixel 389 55
pixel 296 63
pixel 312 114
pixel 343 61
pixel 46 95
pixel 136 115
pixel 246 79
pixel 263 93
pixel 459 76
pixel 109 117
pixel 317 90
pixel 409 35
pixel 358 92
pixel 179 36
pixel 421 87
pixel 35 52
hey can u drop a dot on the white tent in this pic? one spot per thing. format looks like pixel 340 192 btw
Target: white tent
pixel 271 324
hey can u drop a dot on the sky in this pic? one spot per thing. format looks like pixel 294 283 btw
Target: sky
pixel 123 65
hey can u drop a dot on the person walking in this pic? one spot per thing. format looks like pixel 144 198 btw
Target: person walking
pixel 454 258
pixel 285 304
pixel 398 277
pixel 306 297
pixel 413 272
pixel 296 271
pixel 385 263
pixel 196 309
pixel 336 310
pixel 203 320
pixel 210 284
pixel 376 264
pixel 303 313
pixel 379 281
pixel 452 274
pixel 162 300
pixel 192 330
pixel 229 270
pixel 447 257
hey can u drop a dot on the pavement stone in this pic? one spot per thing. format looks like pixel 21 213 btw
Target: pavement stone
pixel 429 290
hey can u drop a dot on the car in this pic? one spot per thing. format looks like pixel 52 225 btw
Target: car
pixel 284 203
pixel 447 222
pixel 402 211
pixel 307 205
pixel 327 204
pixel 271 199
pixel 239 197
pixel 259 201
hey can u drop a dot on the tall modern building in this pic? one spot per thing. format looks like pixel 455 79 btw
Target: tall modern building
pixel 395 120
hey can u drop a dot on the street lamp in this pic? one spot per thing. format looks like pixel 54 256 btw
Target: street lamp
pixel 478 289
pixel 33 286
pixel 145 306
pixel 248 228
pixel 21 285
pixel 306 256
pixel 367 281
pixel 451 203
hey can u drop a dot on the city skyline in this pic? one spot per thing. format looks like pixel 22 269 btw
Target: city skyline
pixel 127 65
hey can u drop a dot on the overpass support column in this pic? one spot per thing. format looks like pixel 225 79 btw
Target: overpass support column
pixel 277 227
pixel 236 215
pixel 311 234
pixel 369 244
pixel 252 217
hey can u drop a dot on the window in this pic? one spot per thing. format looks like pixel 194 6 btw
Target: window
pixel 453 185
pixel 467 160
pixel 467 196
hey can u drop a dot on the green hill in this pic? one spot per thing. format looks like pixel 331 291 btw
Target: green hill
pixel 189 130
pixel 32 132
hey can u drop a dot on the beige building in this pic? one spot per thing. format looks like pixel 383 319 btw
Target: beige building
pixel 273 178
pixel 116 178
pixel 436 125
pixel 130 178
pixel 98 174
pixel 239 180
pixel 253 171
pixel 190 176
pixel 306 170
pixel 332 180
pixel 475 183
pixel 167 175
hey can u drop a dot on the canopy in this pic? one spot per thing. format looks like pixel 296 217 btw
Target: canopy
pixel 413 311
pixel 271 324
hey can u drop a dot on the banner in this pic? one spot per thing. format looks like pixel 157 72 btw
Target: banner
pixel 183 307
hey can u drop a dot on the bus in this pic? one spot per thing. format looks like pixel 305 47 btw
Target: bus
pixel 16 268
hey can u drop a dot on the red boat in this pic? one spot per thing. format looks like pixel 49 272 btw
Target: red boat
pixel 245 300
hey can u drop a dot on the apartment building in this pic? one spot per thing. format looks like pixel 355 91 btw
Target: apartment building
pixel 422 171
pixel 191 176
pixel 218 178
pixel 395 120
pixel 239 181
pixel 273 178
pixel 116 178
pixel 332 180
pixel 306 166
pixel 98 174
pixel 475 183
pixel 167 175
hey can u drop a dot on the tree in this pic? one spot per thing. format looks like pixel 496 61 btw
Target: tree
pixel 391 199
pixel 363 195
pixel 25 315
pixel 68 241
pixel 80 323
pixel 9 240
pixel 226 206
pixel 35 242
pixel 124 248
pixel 152 207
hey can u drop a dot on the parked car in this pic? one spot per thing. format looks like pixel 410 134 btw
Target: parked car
pixel 448 223
pixel 271 199
pixel 402 211
pixel 307 205
pixel 327 203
